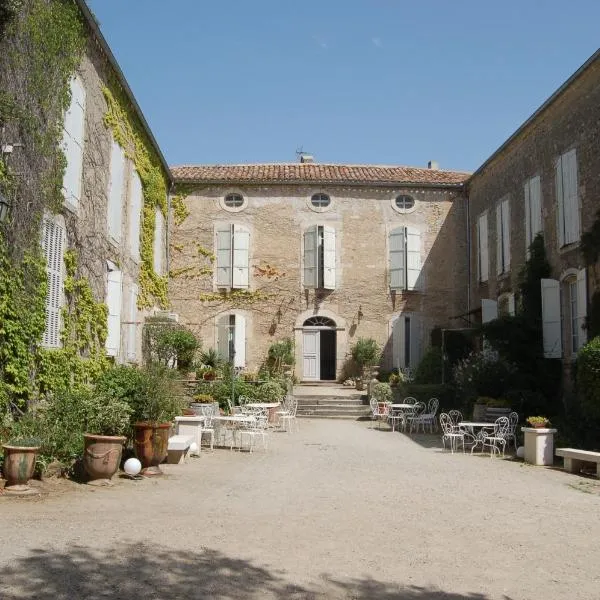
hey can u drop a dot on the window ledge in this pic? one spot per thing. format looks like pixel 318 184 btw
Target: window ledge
pixel 569 247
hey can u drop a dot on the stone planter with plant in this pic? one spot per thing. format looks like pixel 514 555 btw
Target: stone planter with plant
pixel 538 422
pixel 365 354
pixel 19 464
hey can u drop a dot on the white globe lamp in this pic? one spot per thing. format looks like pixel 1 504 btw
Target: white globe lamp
pixel 194 449
pixel 521 452
pixel 132 466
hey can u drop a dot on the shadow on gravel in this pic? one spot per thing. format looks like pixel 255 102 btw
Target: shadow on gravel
pixel 150 572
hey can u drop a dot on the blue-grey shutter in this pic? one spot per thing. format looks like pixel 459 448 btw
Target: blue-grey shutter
pixel 551 322
pixel 311 241
pixel 397 259
pixel 224 257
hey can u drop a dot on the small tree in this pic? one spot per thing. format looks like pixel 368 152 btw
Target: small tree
pixel 167 342
pixel 366 353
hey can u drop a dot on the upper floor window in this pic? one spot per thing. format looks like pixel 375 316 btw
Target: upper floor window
pixel 234 202
pixel 320 200
pixel 533 210
pixel 567 197
pixel 503 236
pixel 114 283
pixel 72 143
pixel 233 249
pixel 405 258
pixel 319 257
pixel 482 248
pixel 404 202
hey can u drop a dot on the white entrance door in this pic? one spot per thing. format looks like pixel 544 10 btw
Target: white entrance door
pixel 310 352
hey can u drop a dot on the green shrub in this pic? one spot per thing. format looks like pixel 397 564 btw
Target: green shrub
pixel 366 353
pixel 430 367
pixel 382 392
pixel 107 415
pixel 211 358
pixel 167 342
pixel 271 391
pixel 281 353
pixel 445 393
pixel 588 378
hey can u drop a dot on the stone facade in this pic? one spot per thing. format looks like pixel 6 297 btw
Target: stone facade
pixel 277 303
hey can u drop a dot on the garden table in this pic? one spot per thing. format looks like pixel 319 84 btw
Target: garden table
pixel 234 422
pixel 269 406
pixel 470 426
pixel 400 408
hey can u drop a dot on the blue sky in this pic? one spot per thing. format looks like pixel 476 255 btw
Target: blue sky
pixel 351 81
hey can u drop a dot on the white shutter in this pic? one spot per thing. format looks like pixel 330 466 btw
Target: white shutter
pixel 223 333
pixel 72 144
pixel 224 256
pixel 328 258
pixel 416 341
pixel 53 241
pixel 528 224
pixel 113 302
pixel 560 201
pixel 571 196
pixel 241 258
pixel 239 341
pixel 136 197
pixel 499 244
pixel 511 305
pixel 413 258
pixel 311 241
pixel 506 234
pixel 489 310
pixel 581 307
pixel 535 204
pixel 132 317
pixel 551 323
pixel 397 261
pixel 398 343
pixel 115 191
pixel 483 248
pixel 159 239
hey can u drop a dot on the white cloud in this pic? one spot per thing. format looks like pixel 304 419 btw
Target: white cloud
pixel 377 42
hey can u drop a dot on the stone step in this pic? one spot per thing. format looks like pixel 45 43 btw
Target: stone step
pixel 333 412
pixel 326 401
pixel 347 417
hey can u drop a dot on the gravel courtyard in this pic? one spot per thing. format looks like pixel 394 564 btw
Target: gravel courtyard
pixel 340 510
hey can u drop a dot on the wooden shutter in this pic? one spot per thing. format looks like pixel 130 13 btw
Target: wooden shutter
pixel 535 203
pixel 224 257
pixel 528 224
pixel 72 145
pixel 132 317
pixel 223 332
pixel 241 257
pixel 311 242
pixel 53 241
pixel 135 215
pixel 551 323
pixel 506 235
pixel 413 258
pixel 581 307
pixel 570 196
pixel 397 259
pixel 398 343
pixel 328 258
pixel 113 302
pixel 239 341
pixel 489 310
pixel 511 305
pixel 560 201
pixel 499 253
pixel 159 239
pixel 115 191
pixel 416 341
pixel 483 248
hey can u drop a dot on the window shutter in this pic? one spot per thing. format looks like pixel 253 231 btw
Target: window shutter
pixel 397 262
pixel 158 244
pixel 311 241
pixel 483 248
pixel 560 200
pixel 416 341
pixel 499 245
pixel 489 310
pixel 132 326
pixel 223 337
pixel 535 212
pixel 413 258
pixel 398 342
pixel 224 256
pixel 241 258
pixel 551 323
pixel 53 241
pixel 328 258
pixel 72 145
pixel 506 235
pixel 511 305
pixel 135 203
pixel 581 307
pixel 113 302
pixel 115 191
pixel 239 341
pixel 571 197
pixel 528 215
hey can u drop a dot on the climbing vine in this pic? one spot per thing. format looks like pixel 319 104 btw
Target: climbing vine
pixel 127 132
pixel 180 210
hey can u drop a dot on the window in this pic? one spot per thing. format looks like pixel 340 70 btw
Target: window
pixel 405 258
pixel 574 290
pixel 482 248
pixel 53 246
pixel 234 200
pixel 551 323
pixel 319 257
pixel 115 191
pixel 320 200
pixel 72 143
pixel 407 336
pixel 114 283
pixel 567 197
pixel 489 310
pixel 159 241
pixel 404 202
pixel 503 237
pixel 131 339
pixel 135 214
pixel 233 248
pixel 506 305
pixel 231 339
pixel 533 210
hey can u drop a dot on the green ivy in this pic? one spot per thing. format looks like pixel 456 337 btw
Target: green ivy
pixel 180 211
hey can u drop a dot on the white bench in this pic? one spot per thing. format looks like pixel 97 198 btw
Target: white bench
pixel 178 448
pixel 574 458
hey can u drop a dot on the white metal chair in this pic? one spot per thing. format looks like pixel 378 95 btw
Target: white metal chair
pixel 415 418
pixel 513 419
pixel 397 416
pixel 285 408
pixel 207 428
pixel 428 418
pixel 286 420
pixel 409 400
pixel 256 427
pixel 380 411
pixel 450 434
pixel 456 417
pixel 496 442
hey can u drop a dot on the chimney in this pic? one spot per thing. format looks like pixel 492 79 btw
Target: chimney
pixel 306 158
pixel 433 165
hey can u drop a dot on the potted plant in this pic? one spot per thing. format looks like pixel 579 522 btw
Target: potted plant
pixel 365 353
pixel 19 463
pixel 106 423
pixel 538 422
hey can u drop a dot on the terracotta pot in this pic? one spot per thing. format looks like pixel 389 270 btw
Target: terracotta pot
pixel 151 442
pixel 19 463
pixel 102 456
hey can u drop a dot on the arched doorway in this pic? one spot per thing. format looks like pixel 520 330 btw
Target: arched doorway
pixel 318 349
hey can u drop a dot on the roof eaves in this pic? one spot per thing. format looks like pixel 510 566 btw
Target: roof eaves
pixel 93 23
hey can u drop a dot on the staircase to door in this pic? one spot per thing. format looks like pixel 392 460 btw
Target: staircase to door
pixel 330 401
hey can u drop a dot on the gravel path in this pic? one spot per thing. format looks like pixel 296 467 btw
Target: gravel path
pixel 339 510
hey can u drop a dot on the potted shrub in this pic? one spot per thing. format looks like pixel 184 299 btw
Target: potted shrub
pixel 538 422
pixel 365 354
pixel 270 391
pixel 106 423
pixel 382 392
pixel 19 463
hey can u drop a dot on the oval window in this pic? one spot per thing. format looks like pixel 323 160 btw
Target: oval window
pixel 320 200
pixel 404 202
pixel 234 200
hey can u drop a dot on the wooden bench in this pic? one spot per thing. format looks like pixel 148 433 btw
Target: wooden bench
pixel 178 448
pixel 575 458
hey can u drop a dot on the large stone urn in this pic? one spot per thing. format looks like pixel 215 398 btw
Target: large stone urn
pixel 151 443
pixel 102 457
